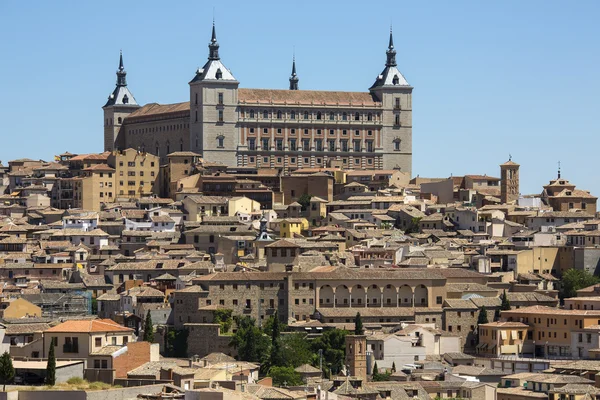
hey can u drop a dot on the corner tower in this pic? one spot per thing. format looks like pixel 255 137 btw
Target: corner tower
pixel 392 89
pixel 213 104
pixel 509 181
pixel 120 104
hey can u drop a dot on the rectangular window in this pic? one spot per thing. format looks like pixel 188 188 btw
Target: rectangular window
pixel 220 98
pixel 293 144
pixel 220 115
pixel 370 146
pixel 279 144
pixel 318 145
pixel 265 144
pixel 252 144
pixel 306 144
pixel 331 144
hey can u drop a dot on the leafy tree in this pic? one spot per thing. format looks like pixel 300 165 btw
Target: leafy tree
pixel 250 342
pixel 483 316
pixel 285 376
pixel 51 366
pixel 414 226
pixel 275 357
pixel 505 305
pixel 296 350
pixel 7 371
pixel 223 317
pixel 304 201
pixel 333 344
pixel 148 328
pixel 358 325
pixel 176 343
pixel 575 279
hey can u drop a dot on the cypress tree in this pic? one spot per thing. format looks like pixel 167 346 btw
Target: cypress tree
pixel 51 367
pixel 505 305
pixel 483 316
pixel 393 366
pixel 148 329
pixel 7 371
pixel 358 325
pixel 375 370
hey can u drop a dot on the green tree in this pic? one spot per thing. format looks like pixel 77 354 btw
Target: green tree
pixel 148 328
pixel 296 350
pixel 358 325
pixel 505 305
pixel 393 366
pixel 575 279
pixel 7 371
pixel 333 344
pixel 250 342
pixel 304 201
pixel 414 226
pixel 275 356
pixel 497 315
pixel 285 376
pixel 483 316
pixel 176 343
pixel 375 370
pixel 51 366
pixel 223 317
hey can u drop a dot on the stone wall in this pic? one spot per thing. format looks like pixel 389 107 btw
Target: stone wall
pixel 204 339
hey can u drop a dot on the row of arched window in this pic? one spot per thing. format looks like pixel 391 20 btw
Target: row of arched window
pixel 331 116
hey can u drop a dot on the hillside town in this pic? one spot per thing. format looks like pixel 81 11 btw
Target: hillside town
pixel 194 278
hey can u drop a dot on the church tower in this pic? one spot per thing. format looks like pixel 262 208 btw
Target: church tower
pixel 120 104
pixel 213 104
pixel 356 355
pixel 392 89
pixel 509 181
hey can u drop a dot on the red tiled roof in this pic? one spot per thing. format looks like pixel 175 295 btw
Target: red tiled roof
pixel 89 326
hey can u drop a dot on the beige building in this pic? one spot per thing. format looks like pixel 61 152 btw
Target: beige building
pixel 280 129
pixel 95 186
pixel 86 338
pixel 136 173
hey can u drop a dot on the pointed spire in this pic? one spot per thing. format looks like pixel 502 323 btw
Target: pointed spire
pixel 121 73
pixel 391 52
pixel 294 78
pixel 213 46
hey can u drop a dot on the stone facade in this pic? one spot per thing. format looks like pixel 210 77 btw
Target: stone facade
pixel 282 129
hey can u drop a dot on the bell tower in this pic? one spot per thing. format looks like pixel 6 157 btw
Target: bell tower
pixel 509 181
pixel 356 355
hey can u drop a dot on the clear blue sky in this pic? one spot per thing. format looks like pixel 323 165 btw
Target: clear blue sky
pixel 490 78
